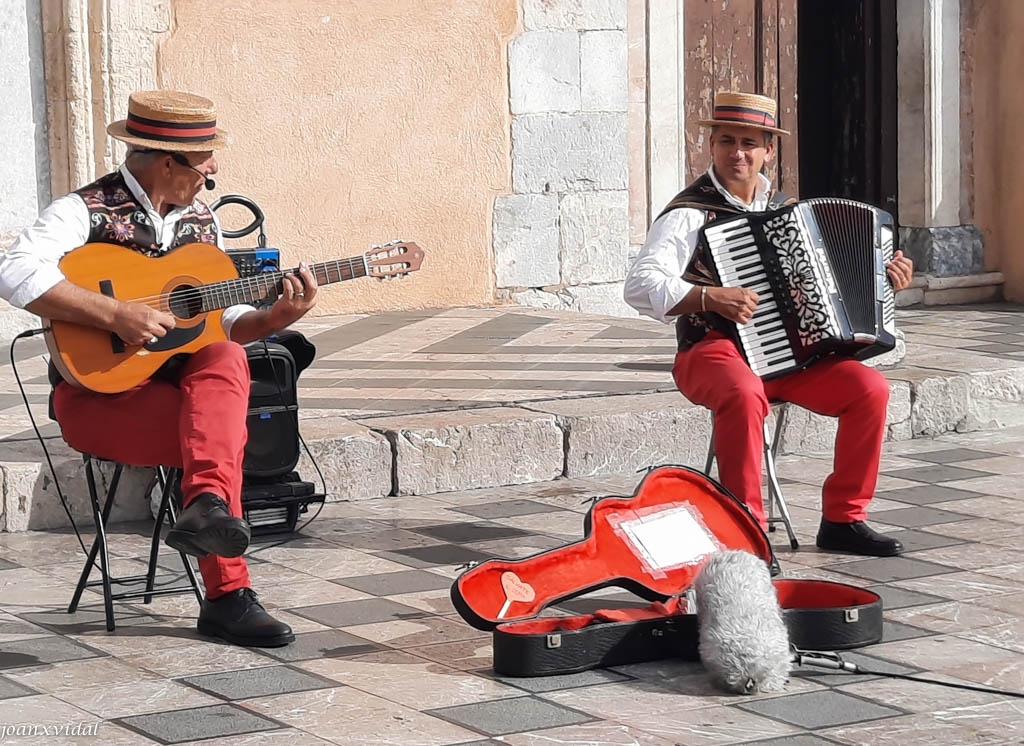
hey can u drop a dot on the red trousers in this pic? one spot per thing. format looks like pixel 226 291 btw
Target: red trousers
pixel 714 374
pixel 197 424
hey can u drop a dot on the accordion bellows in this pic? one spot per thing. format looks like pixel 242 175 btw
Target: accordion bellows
pixel 818 267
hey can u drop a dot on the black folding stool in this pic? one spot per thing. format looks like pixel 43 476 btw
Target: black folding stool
pixel 167 479
pixel 771 447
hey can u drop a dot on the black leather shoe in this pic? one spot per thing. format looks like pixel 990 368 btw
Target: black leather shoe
pixel 856 538
pixel 207 527
pixel 240 618
pixel 774 568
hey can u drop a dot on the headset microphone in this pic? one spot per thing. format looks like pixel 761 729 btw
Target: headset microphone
pixel 208 183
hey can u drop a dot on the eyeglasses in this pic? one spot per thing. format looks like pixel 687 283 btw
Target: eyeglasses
pixel 178 158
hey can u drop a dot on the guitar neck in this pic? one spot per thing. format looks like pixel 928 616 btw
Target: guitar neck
pixel 249 290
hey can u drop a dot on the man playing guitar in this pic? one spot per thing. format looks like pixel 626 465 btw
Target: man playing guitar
pixel 190 414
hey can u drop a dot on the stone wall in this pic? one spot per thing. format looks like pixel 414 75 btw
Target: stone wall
pixel 66 71
pixel 25 175
pixel 937 79
pixel 562 237
pixel 998 102
pixel 24 178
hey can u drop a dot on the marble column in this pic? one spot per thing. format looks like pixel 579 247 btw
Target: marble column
pixel 933 231
pixel 96 52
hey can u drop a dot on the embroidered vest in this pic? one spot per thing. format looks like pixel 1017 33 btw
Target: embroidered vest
pixel 703 195
pixel 116 217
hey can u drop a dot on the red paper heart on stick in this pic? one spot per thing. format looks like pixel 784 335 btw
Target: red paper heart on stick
pixel 516 589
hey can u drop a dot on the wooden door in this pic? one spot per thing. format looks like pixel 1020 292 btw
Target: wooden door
pixel 848 100
pixel 741 45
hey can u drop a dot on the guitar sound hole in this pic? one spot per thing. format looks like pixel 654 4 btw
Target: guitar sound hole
pixel 186 302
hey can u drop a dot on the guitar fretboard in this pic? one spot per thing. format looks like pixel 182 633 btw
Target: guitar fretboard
pixel 233 292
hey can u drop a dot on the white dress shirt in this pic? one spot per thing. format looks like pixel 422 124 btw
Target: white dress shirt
pixel 654 284
pixel 29 268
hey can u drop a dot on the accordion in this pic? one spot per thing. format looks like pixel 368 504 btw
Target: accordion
pixel 818 267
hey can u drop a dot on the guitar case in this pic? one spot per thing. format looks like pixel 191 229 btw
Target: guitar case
pixel 653 544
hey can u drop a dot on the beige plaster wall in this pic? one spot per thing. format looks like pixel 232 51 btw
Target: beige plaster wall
pixel 998 146
pixel 359 122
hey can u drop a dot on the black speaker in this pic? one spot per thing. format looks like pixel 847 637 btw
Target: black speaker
pixel 272 450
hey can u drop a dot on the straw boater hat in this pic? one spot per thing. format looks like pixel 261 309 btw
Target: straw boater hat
pixel 170 120
pixel 744 110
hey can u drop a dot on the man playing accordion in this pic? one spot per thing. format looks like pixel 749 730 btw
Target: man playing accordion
pixel 711 371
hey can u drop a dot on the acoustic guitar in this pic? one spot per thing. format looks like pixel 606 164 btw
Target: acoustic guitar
pixel 195 283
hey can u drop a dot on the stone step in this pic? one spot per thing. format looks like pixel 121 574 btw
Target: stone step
pixel 931 290
pixel 534 442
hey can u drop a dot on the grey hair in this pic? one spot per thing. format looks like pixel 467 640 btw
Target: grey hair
pixel 142 154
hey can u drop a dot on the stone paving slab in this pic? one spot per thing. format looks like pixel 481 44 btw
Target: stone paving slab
pixel 383 658
pixel 435 401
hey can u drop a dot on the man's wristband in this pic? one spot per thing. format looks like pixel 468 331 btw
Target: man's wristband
pixel 703 293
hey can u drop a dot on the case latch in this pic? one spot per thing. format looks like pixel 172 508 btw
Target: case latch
pixel 554 641
pixel 851 615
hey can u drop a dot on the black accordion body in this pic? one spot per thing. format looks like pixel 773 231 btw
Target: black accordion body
pixel 818 267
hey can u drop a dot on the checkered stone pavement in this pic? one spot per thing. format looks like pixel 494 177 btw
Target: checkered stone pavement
pixel 381 656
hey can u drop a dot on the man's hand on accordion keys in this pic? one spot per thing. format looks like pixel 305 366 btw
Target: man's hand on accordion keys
pixel 735 304
pixel 901 270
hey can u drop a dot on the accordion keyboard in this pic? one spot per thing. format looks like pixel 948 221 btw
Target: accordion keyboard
pixel 738 262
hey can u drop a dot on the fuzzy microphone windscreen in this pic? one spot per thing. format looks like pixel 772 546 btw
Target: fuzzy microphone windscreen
pixel 744 643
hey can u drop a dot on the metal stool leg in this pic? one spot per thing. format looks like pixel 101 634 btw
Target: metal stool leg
pixel 168 478
pixel 769 467
pixel 771 445
pixel 771 448
pixel 189 571
pixel 173 478
pixel 158 522
pixel 99 544
pixel 99 517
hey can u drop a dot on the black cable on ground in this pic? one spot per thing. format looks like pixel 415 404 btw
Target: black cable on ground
pixel 39 436
pixel 835 662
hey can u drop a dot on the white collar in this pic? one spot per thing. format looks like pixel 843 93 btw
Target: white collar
pixel 761 192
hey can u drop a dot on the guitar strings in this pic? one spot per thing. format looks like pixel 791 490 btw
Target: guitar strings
pixel 226 287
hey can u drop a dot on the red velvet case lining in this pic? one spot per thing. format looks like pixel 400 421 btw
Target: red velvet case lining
pixel 821 594
pixel 604 558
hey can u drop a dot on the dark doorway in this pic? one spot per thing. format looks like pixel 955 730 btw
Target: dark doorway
pixel 846 83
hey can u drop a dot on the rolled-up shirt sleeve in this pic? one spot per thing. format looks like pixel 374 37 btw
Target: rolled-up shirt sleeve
pixel 232 313
pixel 654 284
pixel 29 268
